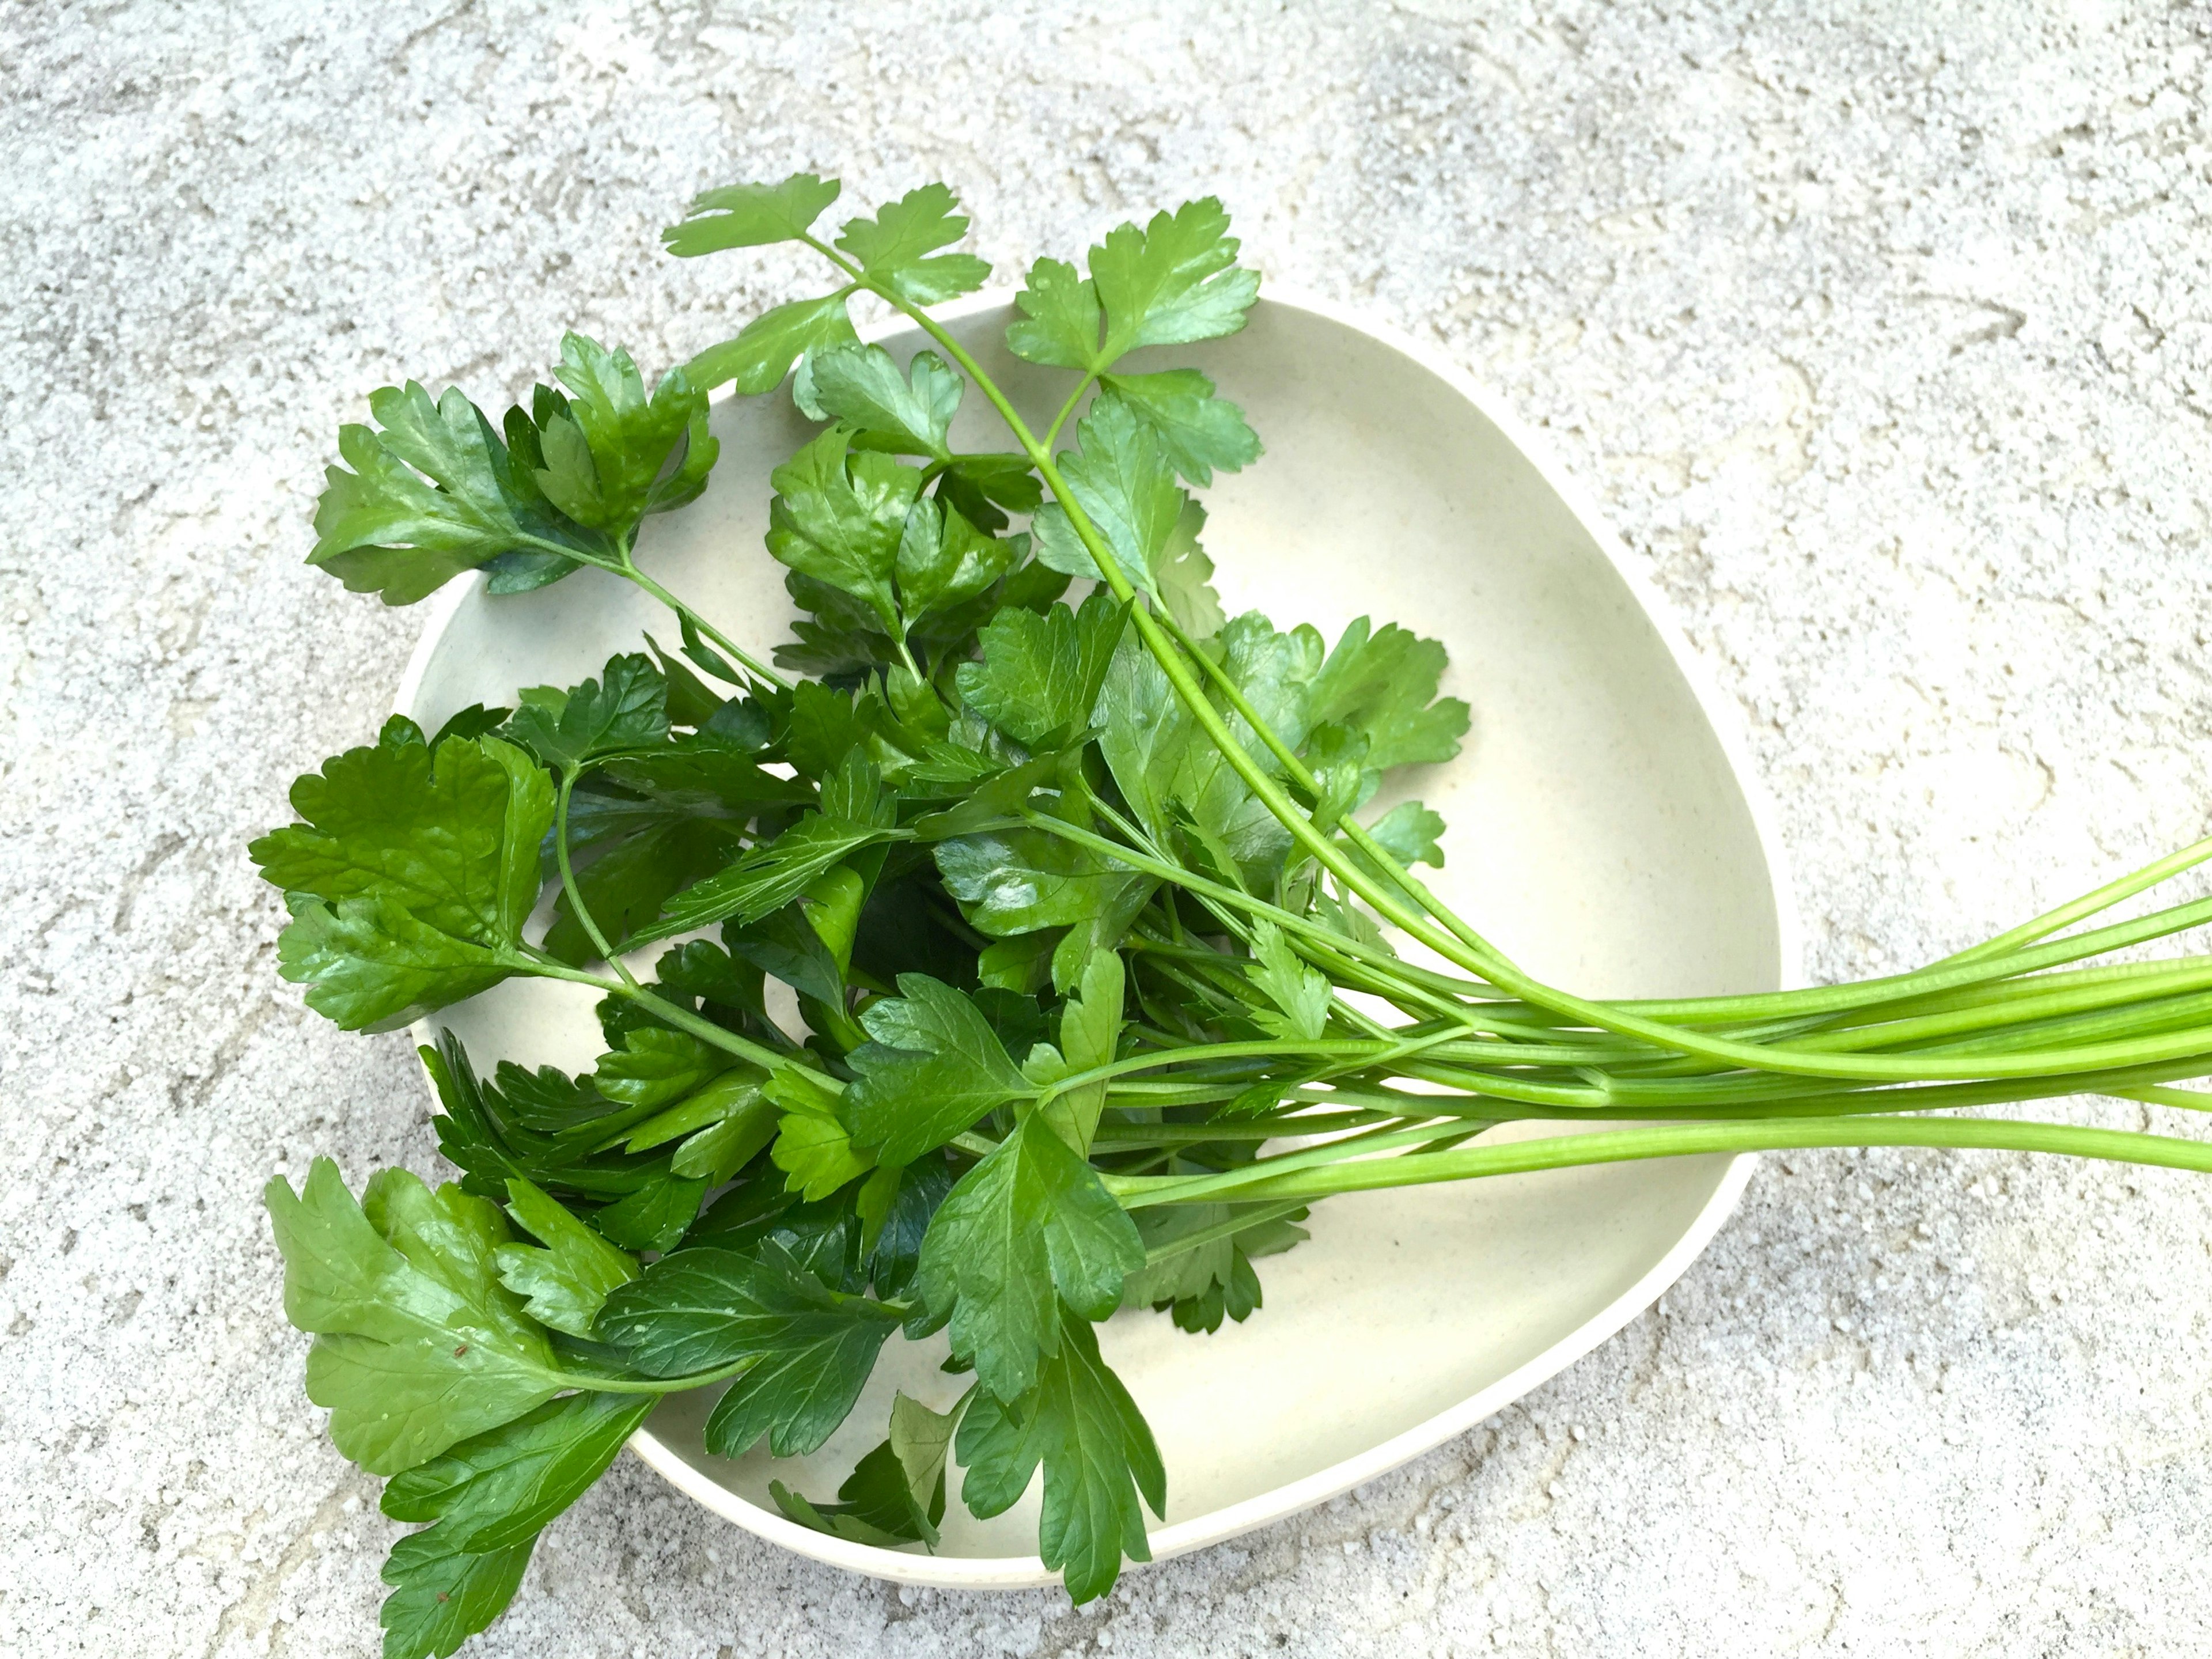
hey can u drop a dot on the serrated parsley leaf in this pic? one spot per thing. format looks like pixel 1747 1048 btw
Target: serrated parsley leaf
pixel 1198 431
pixel 767 877
pixel 891 248
pixel 813 1144
pixel 490 1497
pixel 1300 991
pixel 1040 675
pixel 502 1487
pixel 608 449
pixel 1384 683
pixel 655 1067
pixel 908 412
pixel 450 837
pixel 441 1595
pixel 417 1344
pixel 1409 833
pixel 934 1067
pixel 1122 481
pixel 762 352
pixel 944 561
pixel 627 708
pixel 563 1283
pixel 750 215
pixel 369 966
pixel 1090 1030
pixel 1185 576
pixel 813 1346
pixel 1173 281
pixel 430 497
pixel 838 516
pixel 1060 321
pixel 412 877
pixel 1098 1456
pixel 655 1214
pixel 1017 881
pixel 977 486
pixel 895 1494
pixel 1028 1227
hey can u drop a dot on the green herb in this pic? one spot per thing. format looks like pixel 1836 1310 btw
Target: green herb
pixel 1071 892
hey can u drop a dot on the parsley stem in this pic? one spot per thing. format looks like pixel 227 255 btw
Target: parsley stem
pixel 745 658
pixel 591 1384
pixel 624 566
pixel 576 906
pixel 1674 1141
pixel 682 1018
pixel 1052 431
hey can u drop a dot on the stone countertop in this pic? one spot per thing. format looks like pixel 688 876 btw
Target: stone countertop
pixel 1883 333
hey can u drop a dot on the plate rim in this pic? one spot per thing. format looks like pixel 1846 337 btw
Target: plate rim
pixel 1722 718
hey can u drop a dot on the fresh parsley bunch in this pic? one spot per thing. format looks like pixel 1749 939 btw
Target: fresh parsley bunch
pixel 1073 879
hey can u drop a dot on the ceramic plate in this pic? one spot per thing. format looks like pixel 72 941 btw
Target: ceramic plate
pixel 1604 830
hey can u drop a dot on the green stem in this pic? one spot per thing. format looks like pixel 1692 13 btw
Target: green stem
pixel 1052 431
pixel 654 1384
pixel 683 1019
pixel 722 641
pixel 577 906
pixel 1137 1191
pixel 626 568
pixel 1683 1141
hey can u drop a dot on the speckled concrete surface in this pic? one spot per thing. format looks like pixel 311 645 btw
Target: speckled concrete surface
pixel 1884 332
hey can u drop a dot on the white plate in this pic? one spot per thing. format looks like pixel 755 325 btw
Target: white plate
pixel 1605 829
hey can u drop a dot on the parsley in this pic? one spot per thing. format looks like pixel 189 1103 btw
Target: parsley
pixel 1083 901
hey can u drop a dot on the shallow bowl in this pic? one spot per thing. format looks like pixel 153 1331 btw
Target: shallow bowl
pixel 1605 830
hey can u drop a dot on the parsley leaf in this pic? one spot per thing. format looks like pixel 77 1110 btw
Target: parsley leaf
pixel 702 1308
pixel 1039 675
pixel 767 877
pixel 1028 1227
pixel 890 248
pixel 501 1487
pixel 1173 282
pixel 838 516
pixel 896 1494
pixel 1409 833
pixel 430 495
pixel 628 709
pixel 1201 1284
pixel 813 1145
pixel 910 413
pixel 944 561
pixel 1122 480
pixel 1089 1031
pixel 563 1284
pixel 417 1344
pixel 750 215
pixel 1300 991
pixel 608 448
pixel 452 836
pixel 762 352
pixel 1197 431
pixel 934 1067
pixel 441 1595
pixel 1017 881
pixel 1060 321
pixel 490 1497
pixel 412 877
pixel 1098 1457
pixel 1383 682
